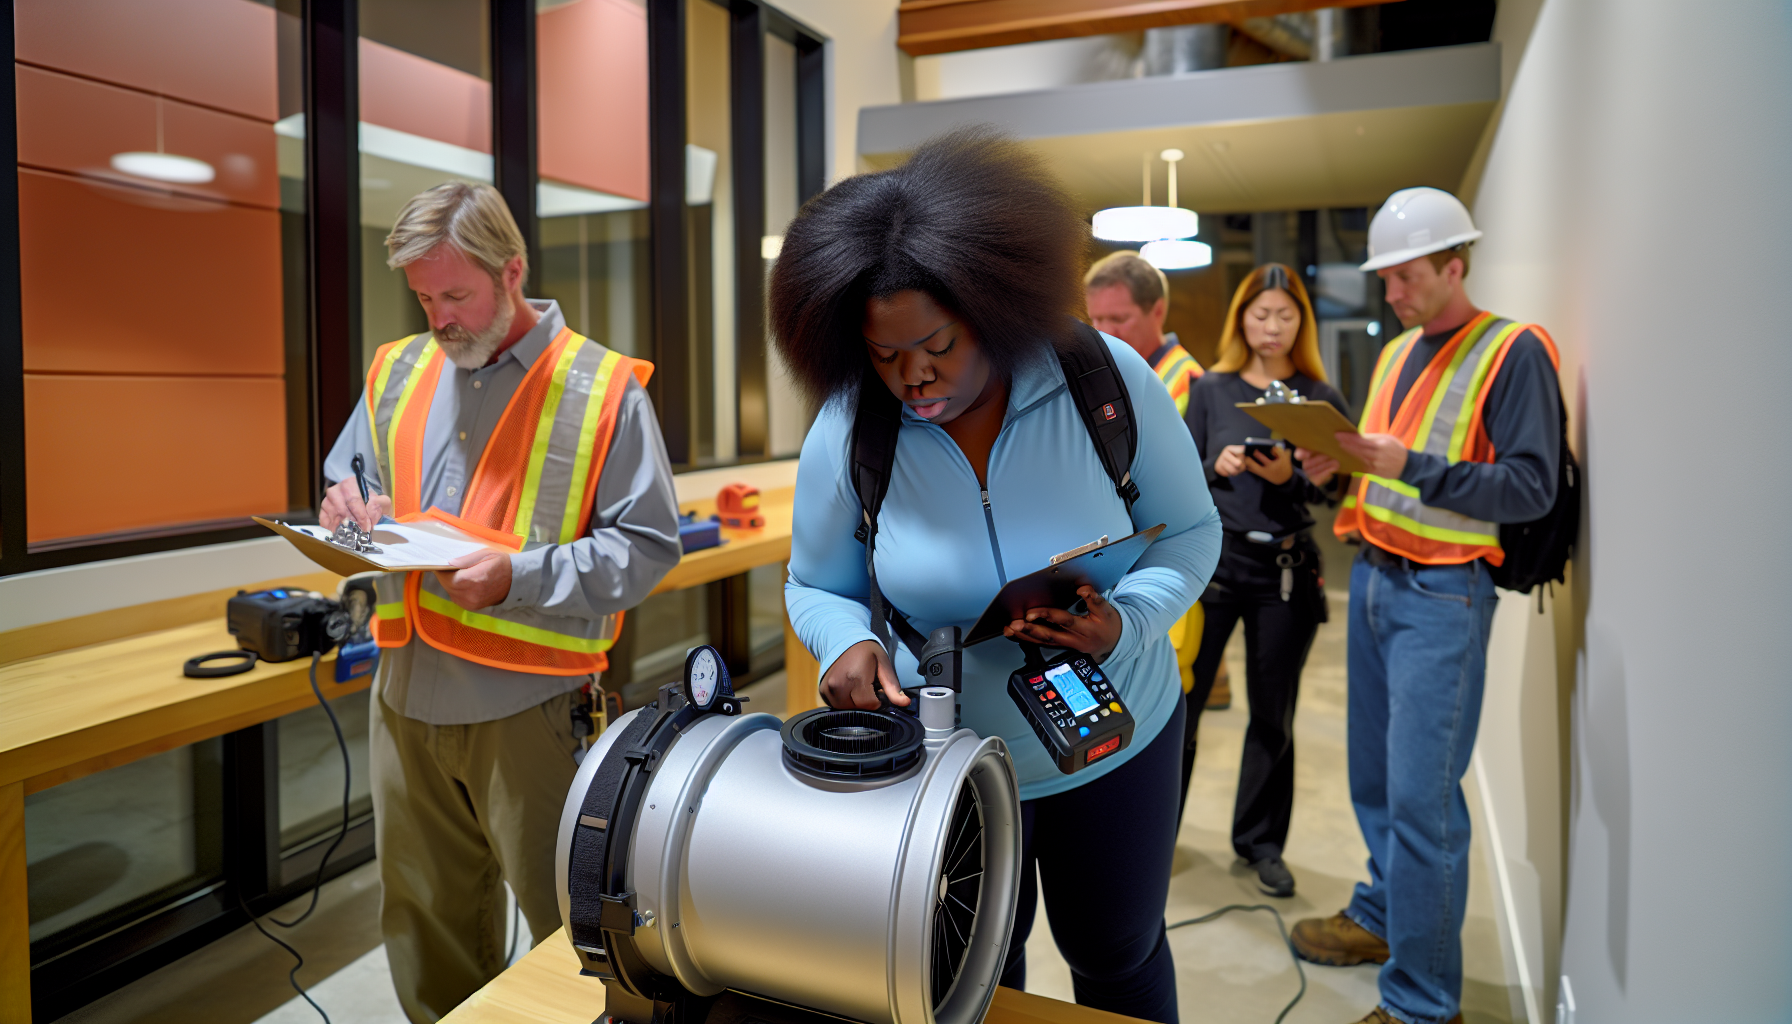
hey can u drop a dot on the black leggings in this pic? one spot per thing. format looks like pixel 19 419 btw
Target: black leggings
pixel 1103 852
pixel 1278 635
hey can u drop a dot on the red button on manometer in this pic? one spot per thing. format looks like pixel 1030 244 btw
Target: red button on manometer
pixel 1106 748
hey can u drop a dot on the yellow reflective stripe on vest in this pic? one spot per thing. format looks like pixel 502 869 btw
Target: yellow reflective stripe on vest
pixel 1399 504
pixel 382 454
pixel 1443 384
pixel 390 612
pixel 430 352
pixel 515 630
pixel 544 430
pixel 581 466
pixel 1465 416
pixel 1426 530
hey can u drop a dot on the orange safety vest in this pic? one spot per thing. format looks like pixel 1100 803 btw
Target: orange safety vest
pixel 533 486
pixel 1177 369
pixel 1440 415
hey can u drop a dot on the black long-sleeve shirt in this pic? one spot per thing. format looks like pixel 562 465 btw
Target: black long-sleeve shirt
pixel 1247 501
pixel 1523 419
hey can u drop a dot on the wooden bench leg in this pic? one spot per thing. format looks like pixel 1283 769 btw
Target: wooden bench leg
pixel 15 921
pixel 802 675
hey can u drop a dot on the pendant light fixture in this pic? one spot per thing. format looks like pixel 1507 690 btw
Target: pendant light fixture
pixel 1167 231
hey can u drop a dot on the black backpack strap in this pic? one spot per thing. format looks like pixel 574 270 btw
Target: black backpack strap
pixel 1102 400
pixel 874 432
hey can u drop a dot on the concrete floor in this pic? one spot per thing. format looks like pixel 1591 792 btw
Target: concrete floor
pixel 1235 969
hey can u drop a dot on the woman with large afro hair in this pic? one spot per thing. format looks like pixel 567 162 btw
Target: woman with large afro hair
pixel 951 281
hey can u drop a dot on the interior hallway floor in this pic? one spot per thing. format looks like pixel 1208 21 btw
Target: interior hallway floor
pixel 1235 970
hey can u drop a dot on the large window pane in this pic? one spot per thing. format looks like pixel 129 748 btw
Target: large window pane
pixel 103 846
pixel 147 146
pixel 709 197
pixel 591 123
pixel 785 410
pixel 426 118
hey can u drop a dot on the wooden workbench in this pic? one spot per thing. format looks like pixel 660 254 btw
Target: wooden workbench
pixel 82 695
pixel 544 987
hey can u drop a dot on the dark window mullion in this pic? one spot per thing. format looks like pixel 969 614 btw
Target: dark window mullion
pixel 747 113
pixel 333 216
pixel 811 114
pixel 513 122
pixel 670 386
pixel 12 342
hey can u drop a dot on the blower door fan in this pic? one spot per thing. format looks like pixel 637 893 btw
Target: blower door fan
pixel 960 885
pixel 844 862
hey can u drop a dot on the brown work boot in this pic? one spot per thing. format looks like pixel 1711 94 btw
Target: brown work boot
pixel 1220 697
pixel 1381 1016
pixel 1337 941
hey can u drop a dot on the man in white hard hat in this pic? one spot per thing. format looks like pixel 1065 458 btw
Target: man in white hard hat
pixel 1460 433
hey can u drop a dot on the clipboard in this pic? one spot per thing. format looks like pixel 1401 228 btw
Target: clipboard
pixel 428 541
pixel 1311 425
pixel 1055 586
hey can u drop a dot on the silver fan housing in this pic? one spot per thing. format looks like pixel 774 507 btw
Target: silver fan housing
pixel 753 874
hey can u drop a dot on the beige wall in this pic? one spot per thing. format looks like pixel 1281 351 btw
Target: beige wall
pixel 864 67
pixel 1633 740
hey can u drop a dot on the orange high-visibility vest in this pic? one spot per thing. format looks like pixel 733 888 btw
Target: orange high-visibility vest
pixel 1177 369
pixel 1440 415
pixel 534 485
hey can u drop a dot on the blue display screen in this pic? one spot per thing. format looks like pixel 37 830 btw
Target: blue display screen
pixel 1071 688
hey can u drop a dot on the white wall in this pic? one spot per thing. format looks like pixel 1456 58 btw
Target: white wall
pixel 863 67
pixel 1634 201
pixel 1025 66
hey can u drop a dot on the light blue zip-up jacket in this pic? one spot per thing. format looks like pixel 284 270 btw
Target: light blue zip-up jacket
pixel 944 547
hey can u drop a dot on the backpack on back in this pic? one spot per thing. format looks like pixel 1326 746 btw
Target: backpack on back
pixel 1538 551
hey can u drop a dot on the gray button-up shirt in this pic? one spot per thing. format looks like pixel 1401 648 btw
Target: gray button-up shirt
pixel 632 543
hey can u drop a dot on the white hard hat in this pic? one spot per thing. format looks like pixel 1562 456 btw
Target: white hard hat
pixel 1415 222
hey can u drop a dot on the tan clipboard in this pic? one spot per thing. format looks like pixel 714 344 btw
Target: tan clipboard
pixel 1313 425
pixel 338 559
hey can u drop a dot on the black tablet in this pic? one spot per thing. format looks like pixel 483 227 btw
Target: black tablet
pixel 1055 586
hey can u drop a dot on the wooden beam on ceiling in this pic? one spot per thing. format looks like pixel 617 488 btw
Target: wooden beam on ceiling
pixel 946 26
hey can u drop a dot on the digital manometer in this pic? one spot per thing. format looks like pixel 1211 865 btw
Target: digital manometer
pixel 1072 708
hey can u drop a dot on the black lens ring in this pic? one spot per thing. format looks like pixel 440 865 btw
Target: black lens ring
pixel 901 750
pixel 241 661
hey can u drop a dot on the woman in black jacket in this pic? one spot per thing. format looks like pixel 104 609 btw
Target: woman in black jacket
pixel 1269 573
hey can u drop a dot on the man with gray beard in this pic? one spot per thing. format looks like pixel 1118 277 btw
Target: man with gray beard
pixel 502 421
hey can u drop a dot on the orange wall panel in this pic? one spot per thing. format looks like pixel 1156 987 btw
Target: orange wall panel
pixel 120 453
pixel 591 80
pixel 411 94
pixel 119 280
pixel 76 125
pixel 220 53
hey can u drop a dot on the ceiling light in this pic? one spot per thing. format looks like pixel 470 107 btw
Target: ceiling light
pixel 1149 223
pixel 182 170
pixel 1177 254
pixel 1145 223
pixel 770 246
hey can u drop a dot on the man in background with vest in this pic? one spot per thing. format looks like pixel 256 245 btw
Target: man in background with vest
pixel 1460 433
pixel 504 422
pixel 1129 299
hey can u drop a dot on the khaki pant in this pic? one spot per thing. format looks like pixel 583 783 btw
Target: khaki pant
pixel 458 811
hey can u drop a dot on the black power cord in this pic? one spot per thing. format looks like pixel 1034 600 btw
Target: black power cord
pixel 292 976
pixel 1280 926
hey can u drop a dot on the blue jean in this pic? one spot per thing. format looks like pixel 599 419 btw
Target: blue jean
pixel 1418 660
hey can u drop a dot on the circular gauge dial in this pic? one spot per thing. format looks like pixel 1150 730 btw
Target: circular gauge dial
pixel 704 677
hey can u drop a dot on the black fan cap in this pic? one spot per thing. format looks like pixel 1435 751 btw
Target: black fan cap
pixel 853 744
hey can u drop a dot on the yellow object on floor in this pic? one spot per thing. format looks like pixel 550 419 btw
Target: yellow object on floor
pixel 1185 636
